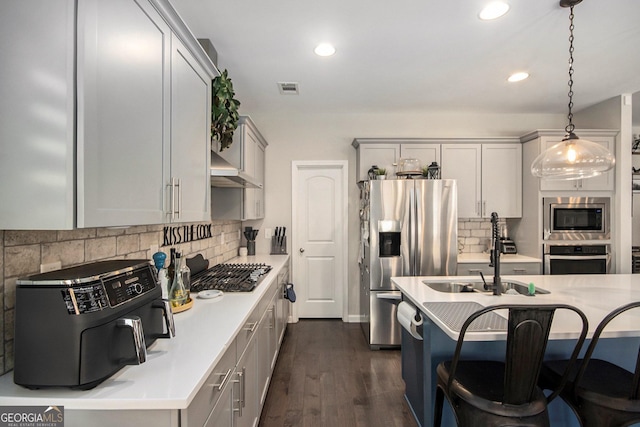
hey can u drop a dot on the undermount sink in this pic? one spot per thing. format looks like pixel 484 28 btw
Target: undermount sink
pixel 454 287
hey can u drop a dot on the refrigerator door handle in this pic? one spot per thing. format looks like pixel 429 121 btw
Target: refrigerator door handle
pixel 388 295
pixel 413 247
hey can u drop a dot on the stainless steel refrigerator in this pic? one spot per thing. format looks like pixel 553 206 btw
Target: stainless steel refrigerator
pixel 408 227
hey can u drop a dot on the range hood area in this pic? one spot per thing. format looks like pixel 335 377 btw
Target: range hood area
pixel 224 174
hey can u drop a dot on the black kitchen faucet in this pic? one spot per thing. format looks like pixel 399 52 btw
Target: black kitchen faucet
pixel 494 260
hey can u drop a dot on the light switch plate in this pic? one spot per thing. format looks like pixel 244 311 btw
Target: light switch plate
pixel 267 233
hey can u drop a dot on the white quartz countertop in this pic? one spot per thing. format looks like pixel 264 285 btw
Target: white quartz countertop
pixel 175 368
pixel 595 295
pixel 467 257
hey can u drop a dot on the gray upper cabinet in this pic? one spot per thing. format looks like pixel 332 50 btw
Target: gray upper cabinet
pixel 489 178
pixel 190 136
pixel 121 136
pixel 37 129
pixel 124 53
pixel 488 170
pixel 247 150
pixel 247 153
pixel 385 153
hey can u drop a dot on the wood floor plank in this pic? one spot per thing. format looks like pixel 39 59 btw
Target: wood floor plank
pixel 326 376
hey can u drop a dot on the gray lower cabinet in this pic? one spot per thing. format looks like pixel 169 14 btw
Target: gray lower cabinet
pixel 222 414
pixel 506 268
pixel 246 395
pixel 267 347
pixel 236 399
pixel 212 392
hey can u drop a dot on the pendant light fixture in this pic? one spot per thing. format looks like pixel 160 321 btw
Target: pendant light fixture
pixel 573 158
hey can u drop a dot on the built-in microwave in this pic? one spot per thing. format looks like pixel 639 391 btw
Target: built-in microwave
pixel 576 218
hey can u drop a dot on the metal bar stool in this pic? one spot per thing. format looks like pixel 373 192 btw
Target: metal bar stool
pixel 599 392
pixel 491 393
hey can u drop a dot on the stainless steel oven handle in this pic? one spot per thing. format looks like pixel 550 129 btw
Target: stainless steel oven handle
pixel 577 257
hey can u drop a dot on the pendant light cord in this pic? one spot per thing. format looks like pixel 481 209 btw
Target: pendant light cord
pixel 570 127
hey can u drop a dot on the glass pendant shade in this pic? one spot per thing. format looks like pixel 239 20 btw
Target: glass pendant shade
pixel 573 158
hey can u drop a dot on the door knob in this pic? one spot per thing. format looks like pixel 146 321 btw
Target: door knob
pixel 301 250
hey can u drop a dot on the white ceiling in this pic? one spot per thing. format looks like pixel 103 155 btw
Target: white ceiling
pixel 420 55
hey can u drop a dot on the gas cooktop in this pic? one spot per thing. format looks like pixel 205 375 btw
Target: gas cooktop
pixel 230 277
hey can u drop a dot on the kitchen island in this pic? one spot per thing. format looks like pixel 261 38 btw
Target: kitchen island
pixel 165 390
pixel 595 295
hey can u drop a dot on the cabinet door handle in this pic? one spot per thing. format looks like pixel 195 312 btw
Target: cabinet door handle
pixel 175 195
pixel 243 396
pixel 179 197
pixel 251 326
pixel 484 208
pixel 478 209
pixel 273 318
pixel 225 378
pixel 171 190
pixel 240 382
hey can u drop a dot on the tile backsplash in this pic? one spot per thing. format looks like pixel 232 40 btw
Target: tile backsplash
pixel 474 235
pixel 22 253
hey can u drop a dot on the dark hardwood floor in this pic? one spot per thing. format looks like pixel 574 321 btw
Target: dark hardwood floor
pixel 327 376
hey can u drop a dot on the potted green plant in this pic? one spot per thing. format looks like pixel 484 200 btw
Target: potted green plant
pixel 381 173
pixel 224 110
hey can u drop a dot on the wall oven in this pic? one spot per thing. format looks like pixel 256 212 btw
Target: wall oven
pixel 576 259
pixel 576 218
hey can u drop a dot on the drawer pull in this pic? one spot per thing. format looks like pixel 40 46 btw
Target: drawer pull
pixel 519 270
pixel 224 380
pixel 251 327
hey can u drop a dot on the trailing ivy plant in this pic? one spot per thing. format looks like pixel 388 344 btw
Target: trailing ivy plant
pixel 224 111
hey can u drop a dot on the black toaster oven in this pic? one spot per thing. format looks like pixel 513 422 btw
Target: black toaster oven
pixel 77 326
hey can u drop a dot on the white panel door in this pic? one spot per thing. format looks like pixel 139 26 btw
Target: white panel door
pixel 320 224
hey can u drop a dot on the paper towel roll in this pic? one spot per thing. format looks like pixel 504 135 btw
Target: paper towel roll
pixel 406 315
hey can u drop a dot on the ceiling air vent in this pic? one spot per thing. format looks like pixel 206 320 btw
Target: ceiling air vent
pixel 288 88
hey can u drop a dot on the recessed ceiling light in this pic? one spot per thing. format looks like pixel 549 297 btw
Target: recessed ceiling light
pixel 324 49
pixel 517 77
pixel 493 10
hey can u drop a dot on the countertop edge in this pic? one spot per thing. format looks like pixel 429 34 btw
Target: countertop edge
pixel 582 291
pixel 138 387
